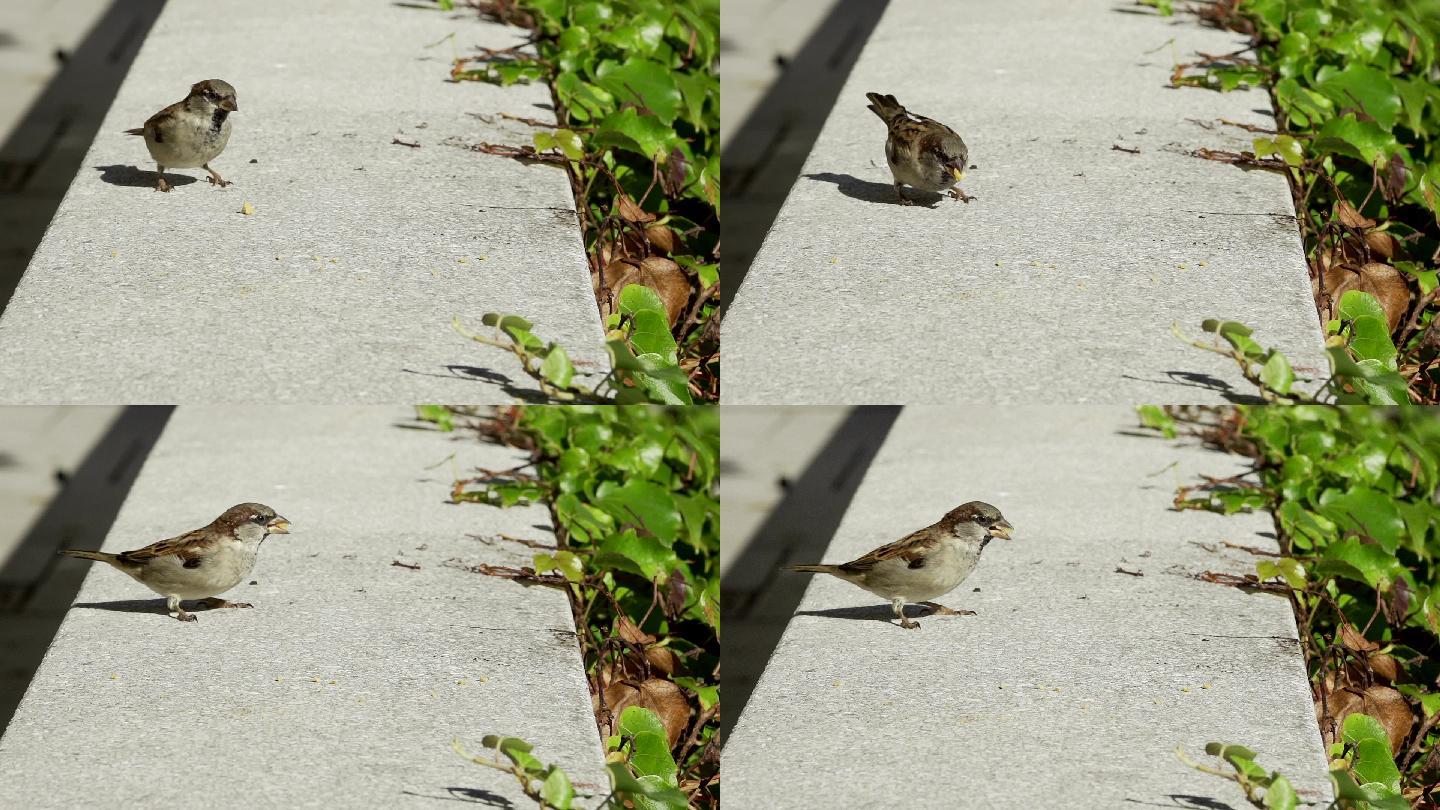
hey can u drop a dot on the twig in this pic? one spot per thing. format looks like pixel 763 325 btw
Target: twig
pixel 1118 148
pixel 1120 570
pixel 405 143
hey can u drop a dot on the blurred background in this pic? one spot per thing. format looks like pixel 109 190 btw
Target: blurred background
pixel 61 62
pixel 64 471
pixel 787 476
pixel 782 63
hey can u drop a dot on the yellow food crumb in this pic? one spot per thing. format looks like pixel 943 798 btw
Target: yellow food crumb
pixel 461 682
pixel 247 209
pixel 1185 689
pixel 483 679
pixel 1203 264
pixel 114 677
pixel 332 683
pixel 461 261
pixel 1205 686
pixel 1181 266
pixel 480 258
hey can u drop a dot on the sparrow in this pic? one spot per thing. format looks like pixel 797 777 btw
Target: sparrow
pixel 192 132
pixel 922 153
pixel 926 564
pixel 202 563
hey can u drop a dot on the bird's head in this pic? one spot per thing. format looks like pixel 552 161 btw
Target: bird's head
pixel 252 520
pixel 217 92
pixel 978 517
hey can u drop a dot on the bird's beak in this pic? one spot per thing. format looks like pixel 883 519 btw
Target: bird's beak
pixel 959 175
pixel 228 104
pixel 278 525
pixel 1002 529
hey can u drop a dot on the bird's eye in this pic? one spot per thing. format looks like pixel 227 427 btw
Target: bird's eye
pixel 257 518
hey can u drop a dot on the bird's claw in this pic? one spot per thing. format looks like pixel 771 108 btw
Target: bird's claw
pixel 957 194
pixel 162 185
pixel 186 617
pixel 215 181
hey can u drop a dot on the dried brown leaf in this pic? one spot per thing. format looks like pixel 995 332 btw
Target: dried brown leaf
pixel 656 272
pixel 1380 702
pixel 1382 243
pixel 630 212
pixel 630 632
pixel 661 238
pixel 659 696
pixel 1355 641
pixel 1380 280
pixel 664 660
pixel 1384 666
pixel 1350 218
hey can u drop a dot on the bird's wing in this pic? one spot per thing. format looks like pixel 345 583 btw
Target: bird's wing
pixel 912 548
pixel 189 545
pixel 162 124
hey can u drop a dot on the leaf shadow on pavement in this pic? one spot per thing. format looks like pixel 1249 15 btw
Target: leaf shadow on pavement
pixel 1196 379
pixel 866 191
pixel 1187 801
pixel 468 795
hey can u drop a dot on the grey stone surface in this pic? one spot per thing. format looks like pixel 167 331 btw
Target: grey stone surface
pixel 345 684
pixel 761 448
pixel 1074 684
pixel 1062 280
pixel 342 285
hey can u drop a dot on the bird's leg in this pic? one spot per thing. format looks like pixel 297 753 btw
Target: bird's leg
pixel 213 602
pixel 898 193
pixel 958 194
pixel 900 614
pixel 215 178
pixel 172 604
pixel 160 184
pixel 940 610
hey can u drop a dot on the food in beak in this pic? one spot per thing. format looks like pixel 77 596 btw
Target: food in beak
pixel 959 175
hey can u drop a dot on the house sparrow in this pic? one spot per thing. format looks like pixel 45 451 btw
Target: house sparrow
pixel 192 132
pixel 922 153
pixel 202 563
pixel 925 564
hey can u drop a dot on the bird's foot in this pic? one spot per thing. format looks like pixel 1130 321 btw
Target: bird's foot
pixel 909 624
pixel 940 610
pixel 162 185
pixel 215 178
pixel 901 196
pixel 185 616
pixel 957 194
pixel 214 602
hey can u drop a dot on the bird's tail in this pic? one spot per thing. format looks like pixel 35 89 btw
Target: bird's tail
pixel 87 555
pixel 813 569
pixel 884 106
pixel 135 131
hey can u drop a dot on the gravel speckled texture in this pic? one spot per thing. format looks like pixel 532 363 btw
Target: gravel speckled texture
pixel 341 287
pixel 345 684
pixel 1074 684
pixel 1062 280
